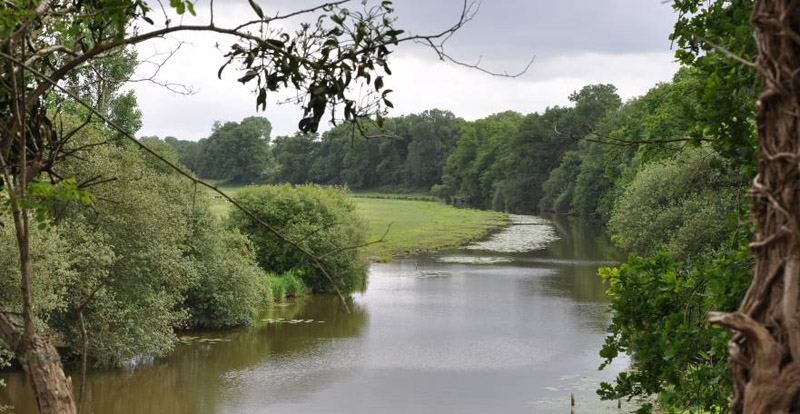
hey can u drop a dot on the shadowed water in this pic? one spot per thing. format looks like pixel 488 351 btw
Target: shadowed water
pixel 484 329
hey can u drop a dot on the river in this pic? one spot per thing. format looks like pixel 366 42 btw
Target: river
pixel 509 325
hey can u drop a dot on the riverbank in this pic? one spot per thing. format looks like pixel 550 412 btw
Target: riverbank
pixel 416 225
pixel 419 226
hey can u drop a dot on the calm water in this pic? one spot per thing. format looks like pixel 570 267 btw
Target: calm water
pixel 484 329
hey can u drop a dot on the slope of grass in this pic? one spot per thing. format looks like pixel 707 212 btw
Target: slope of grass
pixel 421 225
pixel 416 225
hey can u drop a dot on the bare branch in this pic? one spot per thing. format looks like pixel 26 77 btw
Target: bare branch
pixel 727 53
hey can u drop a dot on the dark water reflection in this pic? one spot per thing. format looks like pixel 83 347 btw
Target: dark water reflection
pixel 426 337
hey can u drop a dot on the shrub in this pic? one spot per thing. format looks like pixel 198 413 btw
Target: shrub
pixel 287 285
pixel 660 307
pixel 147 260
pixel 229 288
pixel 324 222
pixel 679 205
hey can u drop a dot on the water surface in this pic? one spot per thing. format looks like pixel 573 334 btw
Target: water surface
pixel 509 325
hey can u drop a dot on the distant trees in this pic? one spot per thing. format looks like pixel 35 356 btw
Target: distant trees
pixel 500 162
pixel 294 158
pixel 236 152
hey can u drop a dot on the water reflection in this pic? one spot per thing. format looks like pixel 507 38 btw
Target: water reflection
pixel 201 377
pixel 461 331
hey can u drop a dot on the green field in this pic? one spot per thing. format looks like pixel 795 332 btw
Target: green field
pixel 422 225
pixel 416 225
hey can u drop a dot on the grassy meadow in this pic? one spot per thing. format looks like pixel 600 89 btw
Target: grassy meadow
pixel 415 225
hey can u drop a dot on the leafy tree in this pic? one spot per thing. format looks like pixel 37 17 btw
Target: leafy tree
pixel 188 152
pixel 237 152
pixel 324 221
pixel 559 189
pixel 707 34
pixel 659 317
pixel 765 348
pixel 679 206
pixel 474 168
pixel 294 155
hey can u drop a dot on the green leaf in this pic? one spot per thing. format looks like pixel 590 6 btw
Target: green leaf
pixel 248 76
pixel 256 8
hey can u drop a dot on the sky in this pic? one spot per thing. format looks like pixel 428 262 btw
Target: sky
pixel 573 43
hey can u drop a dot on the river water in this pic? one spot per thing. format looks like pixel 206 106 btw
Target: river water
pixel 509 325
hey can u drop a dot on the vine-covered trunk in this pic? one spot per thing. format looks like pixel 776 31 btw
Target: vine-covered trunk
pixel 39 358
pixel 42 363
pixel 765 349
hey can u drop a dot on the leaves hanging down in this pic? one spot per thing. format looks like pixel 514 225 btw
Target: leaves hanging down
pixel 326 62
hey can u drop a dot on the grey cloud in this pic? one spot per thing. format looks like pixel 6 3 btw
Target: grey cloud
pixel 505 29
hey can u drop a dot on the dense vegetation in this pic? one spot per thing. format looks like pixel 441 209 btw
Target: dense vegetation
pixel 141 255
pixel 665 171
pixel 321 220
pixel 149 259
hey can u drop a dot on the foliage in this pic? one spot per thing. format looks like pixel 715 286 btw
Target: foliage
pixel 679 205
pixel 294 157
pixel 559 189
pixel 324 222
pixel 230 288
pixel 727 89
pixel 410 155
pixel 502 161
pixel 660 307
pixel 149 259
pixel 475 167
pixel 236 152
pixel 287 285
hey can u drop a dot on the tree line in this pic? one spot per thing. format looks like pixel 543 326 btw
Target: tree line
pixel 498 162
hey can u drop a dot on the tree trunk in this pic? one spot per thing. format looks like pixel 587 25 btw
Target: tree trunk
pixel 765 349
pixel 42 363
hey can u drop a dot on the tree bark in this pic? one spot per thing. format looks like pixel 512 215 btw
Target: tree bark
pixel 42 363
pixel 765 348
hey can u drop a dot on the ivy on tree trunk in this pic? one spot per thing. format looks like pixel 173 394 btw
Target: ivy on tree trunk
pixel 765 349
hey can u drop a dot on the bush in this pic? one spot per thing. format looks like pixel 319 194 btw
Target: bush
pixel 660 307
pixel 680 205
pixel 324 222
pixel 148 260
pixel 230 287
pixel 288 285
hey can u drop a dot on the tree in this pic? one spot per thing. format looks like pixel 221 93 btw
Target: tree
pixel 45 44
pixel 294 156
pixel 765 349
pixel 237 152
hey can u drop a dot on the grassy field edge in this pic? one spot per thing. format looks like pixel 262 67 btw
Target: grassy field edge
pixel 418 224
pixel 422 226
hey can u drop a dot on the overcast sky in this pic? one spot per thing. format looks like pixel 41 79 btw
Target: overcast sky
pixel 575 43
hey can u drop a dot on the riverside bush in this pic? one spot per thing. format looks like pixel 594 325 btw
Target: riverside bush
pixel 287 285
pixel 324 222
pixel 147 260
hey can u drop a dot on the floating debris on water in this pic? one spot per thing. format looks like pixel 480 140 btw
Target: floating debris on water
pixel 474 259
pixel 431 274
pixel 525 234
pixel 290 321
pixel 188 340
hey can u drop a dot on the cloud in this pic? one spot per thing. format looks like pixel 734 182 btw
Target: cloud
pixel 576 42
